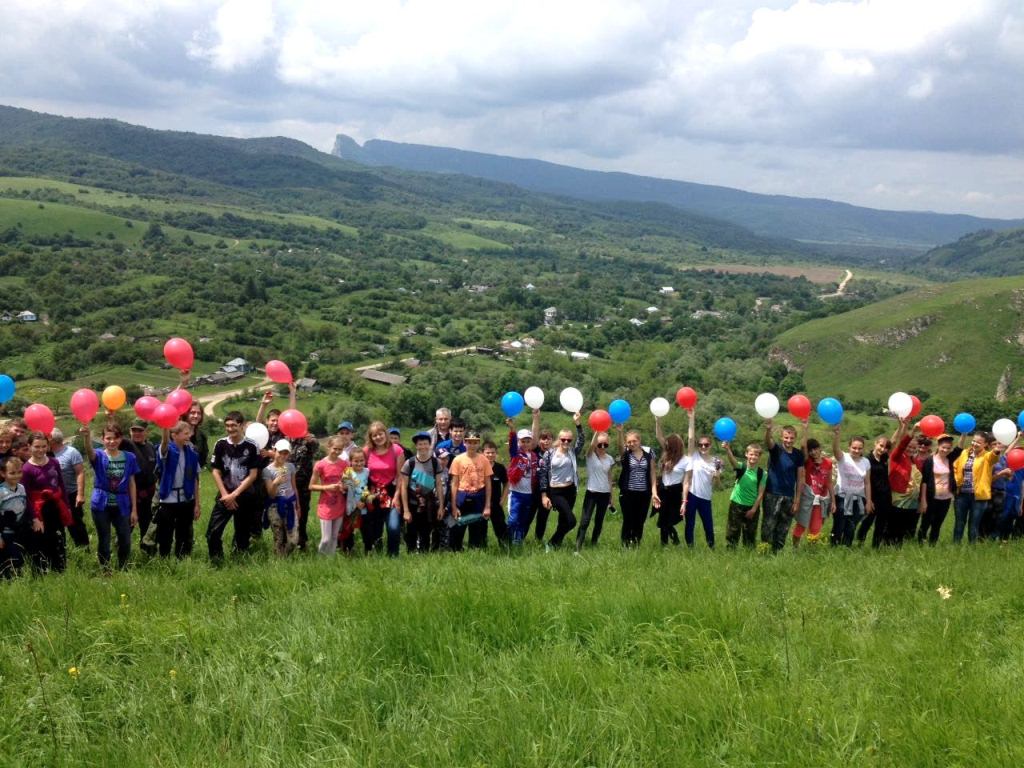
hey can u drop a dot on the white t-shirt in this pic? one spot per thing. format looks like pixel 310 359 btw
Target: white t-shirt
pixel 675 475
pixel 597 473
pixel 851 475
pixel 704 473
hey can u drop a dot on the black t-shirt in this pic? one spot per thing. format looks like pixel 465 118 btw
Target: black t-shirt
pixel 234 461
pixel 145 456
pixel 498 482
pixel 880 489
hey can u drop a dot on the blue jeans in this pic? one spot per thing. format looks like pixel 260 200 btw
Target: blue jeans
pixel 520 515
pixel 394 532
pixel 108 518
pixel 695 505
pixel 968 509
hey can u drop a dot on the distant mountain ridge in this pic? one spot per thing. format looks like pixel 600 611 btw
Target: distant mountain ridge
pixel 779 216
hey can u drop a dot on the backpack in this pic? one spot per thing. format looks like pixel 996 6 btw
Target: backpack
pixel 410 464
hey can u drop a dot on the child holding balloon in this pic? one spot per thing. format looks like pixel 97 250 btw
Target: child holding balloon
pixel 114 502
pixel 178 492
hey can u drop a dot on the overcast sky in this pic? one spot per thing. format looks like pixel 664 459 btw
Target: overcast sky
pixel 906 104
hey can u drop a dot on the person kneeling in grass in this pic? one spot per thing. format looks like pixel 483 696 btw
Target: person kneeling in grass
pixel 747 495
pixel 178 491
pixel 282 509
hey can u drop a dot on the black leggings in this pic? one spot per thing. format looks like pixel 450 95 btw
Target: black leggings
pixel 634 505
pixel 669 514
pixel 563 500
pixel 932 520
pixel 595 504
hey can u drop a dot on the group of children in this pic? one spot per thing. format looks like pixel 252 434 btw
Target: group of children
pixel 451 482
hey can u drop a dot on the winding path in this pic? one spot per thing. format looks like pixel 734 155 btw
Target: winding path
pixel 842 287
pixel 210 402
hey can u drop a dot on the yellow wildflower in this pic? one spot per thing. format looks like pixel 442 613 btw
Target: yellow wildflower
pixel 73 671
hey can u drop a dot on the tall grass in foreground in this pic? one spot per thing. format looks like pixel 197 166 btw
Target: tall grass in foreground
pixel 811 658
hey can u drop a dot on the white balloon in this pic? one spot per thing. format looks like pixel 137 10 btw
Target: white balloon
pixel 571 399
pixel 258 434
pixel 534 397
pixel 900 404
pixel 767 405
pixel 660 407
pixel 1004 431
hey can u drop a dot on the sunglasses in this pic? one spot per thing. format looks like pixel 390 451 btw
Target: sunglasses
pixel 565 439
pixel 703 445
pixel 602 445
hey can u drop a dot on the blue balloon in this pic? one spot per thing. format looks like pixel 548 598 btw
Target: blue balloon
pixel 964 423
pixel 830 410
pixel 1020 420
pixel 512 404
pixel 620 411
pixel 725 429
pixel 6 388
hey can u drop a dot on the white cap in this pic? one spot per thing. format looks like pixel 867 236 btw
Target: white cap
pixel 524 433
pixel 283 445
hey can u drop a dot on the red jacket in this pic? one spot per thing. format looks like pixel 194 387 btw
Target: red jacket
pixel 521 463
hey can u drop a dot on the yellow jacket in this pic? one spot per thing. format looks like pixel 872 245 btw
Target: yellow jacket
pixel 982 471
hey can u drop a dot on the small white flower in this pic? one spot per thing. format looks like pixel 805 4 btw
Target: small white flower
pixel 945 592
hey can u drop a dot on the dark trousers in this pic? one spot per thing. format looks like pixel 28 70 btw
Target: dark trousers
pixel 932 520
pixel 696 506
pixel 48 550
pixel 540 515
pixel 144 508
pixel 989 527
pixel 12 556
pixel 887 523
pixel 634 506
pixel 373 528
pixel 468 504
pixel 175 524
pixel 778 517
pixel 498 522
pixel 844 527
pixel 420 529
pixel 302 494
pixel 243 518
pixel 671 512
pixel 563 500
pixel 738 524
pixel 106 519
pixel 595 504
pixel 77 530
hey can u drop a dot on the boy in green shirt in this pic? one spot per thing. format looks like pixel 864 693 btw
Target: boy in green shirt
pixel 745 501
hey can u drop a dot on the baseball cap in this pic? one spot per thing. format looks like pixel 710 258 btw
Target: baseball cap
pixel 345 425
pixel 139 424
pixel 421 436
pixel 524 434
pixel 394 431
pixel 944 437
pixel 472 435
pixel 283 445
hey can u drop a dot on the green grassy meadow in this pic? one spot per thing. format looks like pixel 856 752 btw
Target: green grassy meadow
pixel 648 657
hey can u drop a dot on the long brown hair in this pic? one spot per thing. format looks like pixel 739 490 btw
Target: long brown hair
pixel 673 452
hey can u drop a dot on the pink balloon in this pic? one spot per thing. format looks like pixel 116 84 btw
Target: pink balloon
pixel 292 424
pixel 84 405
pixel 279 372
pixel 145 406
pixel 179 354
pixel 180 399
pixel 165 416
pixel 39 418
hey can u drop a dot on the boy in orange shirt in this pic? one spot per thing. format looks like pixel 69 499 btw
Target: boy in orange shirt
pixel 470 474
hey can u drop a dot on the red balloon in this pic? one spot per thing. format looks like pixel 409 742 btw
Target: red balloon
pixel 145 406
pixel 39 418
pixel 165 416
pixel 1015 459
pixel 292 424
pixel 84 405
pixel 916 409
pixel 180 399
pixel 799 407
pixel 279 372
pixel 686 397
pixel 179 354
pixel 600 420
pixel 932 426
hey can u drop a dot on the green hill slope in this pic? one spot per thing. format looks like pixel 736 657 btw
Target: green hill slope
pixel 954 341
pixel 981 253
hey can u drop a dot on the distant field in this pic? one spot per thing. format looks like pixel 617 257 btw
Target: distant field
pixel 98 196
pixel 462 239
pixel 497 224
pixel 915 340
pixel 823 274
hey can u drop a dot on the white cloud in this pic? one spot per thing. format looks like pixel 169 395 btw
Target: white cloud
pixel 896 103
